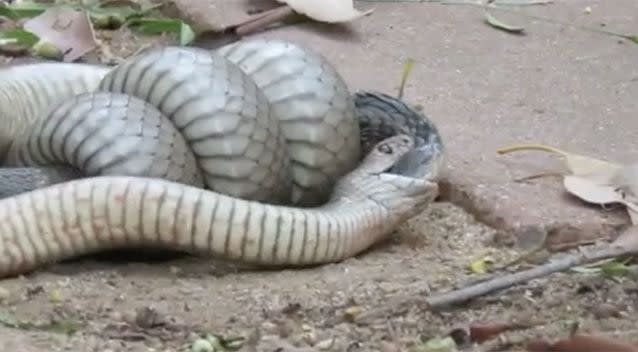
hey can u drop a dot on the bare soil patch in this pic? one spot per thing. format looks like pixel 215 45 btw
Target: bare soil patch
pixel 161 306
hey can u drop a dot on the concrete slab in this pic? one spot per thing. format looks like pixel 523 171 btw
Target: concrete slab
pixel 485 89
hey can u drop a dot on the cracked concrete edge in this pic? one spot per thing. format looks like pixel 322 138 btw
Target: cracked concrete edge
pixel 553 234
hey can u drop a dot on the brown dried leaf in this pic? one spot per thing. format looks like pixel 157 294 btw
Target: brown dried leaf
pixel 330 11
pixel 479 333
pixel 601 171
pixel 595 169
pixel 210 15
pixel 482 333
pixel 67 29
pixel 591 191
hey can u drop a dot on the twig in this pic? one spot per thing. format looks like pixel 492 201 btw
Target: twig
pixel 498 283
pixel 263 20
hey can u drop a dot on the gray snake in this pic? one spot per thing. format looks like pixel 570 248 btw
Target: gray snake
pixel 254 152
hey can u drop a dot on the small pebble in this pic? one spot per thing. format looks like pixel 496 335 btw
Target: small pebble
pixel 606 310
pixel 270 328
pixel 202 345
pixel 326 344
pixel 386 346
pixel 175 270
pixel 55 296
pixel 4 295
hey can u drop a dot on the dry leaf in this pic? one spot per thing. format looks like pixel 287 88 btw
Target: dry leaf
pixel 591 191
pixel 498 24
pixel 209 15
pixel 330 11
pixel 627 179
pixel 597 170
pixel 481 333
pixel 67 29
pixel 594 180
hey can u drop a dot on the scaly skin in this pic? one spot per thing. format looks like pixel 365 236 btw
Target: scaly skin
pixel 95 214
pixel 260 124
pixel 256 130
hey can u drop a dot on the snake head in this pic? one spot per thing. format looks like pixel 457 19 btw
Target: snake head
pixel 386 154
pixel 425 161
pixel 373 181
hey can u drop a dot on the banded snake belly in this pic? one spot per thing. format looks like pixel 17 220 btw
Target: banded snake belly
pixel 254 152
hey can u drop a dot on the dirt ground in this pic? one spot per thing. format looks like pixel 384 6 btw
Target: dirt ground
pixel 162 306
pixel 370 303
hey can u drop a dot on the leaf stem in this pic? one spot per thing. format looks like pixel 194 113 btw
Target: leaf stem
pixel 531 146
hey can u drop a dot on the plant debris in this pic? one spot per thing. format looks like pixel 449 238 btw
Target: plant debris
pixel 329 11
pixel 66 327
pixel 68 30
pixel 593 180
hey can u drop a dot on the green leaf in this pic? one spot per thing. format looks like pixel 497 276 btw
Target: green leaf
pixel 18 36
pixel 482 265
pixel 615 269
pixel 186 34
pixel 611 268
pixel 585 270
pixel 109 19
pixel 436 344
pixel 163 25
pixel 633 38
pixel 113 17
pixel 47 50
pixel 496 23
pixel 66 327
pixel 25 9
pixel 155 25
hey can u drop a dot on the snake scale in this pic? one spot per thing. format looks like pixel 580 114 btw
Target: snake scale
pixel 254 152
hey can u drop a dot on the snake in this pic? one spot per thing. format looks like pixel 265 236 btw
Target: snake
pixel 254 152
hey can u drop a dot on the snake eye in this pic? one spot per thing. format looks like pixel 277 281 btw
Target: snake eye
pixel 385 148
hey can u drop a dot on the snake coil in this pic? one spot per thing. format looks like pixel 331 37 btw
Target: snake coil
pixel 263 124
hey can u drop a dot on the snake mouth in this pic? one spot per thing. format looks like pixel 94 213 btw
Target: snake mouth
pixel 420 162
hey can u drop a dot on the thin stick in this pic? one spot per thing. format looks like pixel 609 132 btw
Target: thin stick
pixel 264 19
pixel 498 283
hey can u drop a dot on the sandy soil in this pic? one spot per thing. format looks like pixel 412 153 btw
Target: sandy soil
pixel 370 303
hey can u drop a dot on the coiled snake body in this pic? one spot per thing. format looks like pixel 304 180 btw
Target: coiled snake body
pixel 298 171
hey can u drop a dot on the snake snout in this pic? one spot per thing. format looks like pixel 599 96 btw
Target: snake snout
pixel 406 195
pixel 420 162
pixel 395 145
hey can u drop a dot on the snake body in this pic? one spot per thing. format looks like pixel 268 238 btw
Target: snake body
pixel 268 127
